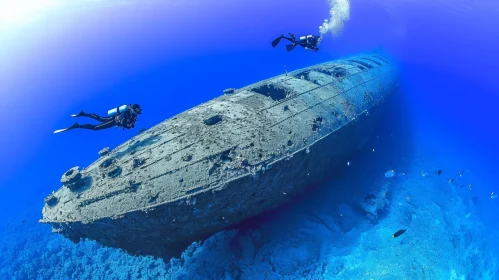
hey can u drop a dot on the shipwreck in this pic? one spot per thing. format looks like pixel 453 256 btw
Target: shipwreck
pixel 245 152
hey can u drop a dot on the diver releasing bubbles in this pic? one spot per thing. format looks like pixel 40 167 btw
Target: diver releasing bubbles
pixel 339 12
pixel 309 42
pixel 124 116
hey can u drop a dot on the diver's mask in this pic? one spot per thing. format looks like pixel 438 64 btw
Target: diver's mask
pixel 136 110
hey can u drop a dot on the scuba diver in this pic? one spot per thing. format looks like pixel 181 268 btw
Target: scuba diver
pixel 124 116
pixel 309 42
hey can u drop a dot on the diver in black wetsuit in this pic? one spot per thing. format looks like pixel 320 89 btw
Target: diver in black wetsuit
pixel 309 42
pixel 124 116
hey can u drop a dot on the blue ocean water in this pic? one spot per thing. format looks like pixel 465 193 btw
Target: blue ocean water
pixel 57 58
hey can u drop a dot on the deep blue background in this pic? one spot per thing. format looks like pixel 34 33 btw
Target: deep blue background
pixel 170 57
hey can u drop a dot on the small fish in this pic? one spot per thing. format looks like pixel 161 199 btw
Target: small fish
pixel 439 172
pixel 398 233
pixel 469 186
pixel 461 172
pixel 451 180
pixel 389 173
pixel 493 195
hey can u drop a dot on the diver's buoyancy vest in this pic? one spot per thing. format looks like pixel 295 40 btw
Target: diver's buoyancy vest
pixel 117 111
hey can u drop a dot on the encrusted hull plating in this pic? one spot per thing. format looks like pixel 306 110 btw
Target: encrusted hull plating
pixel 226 160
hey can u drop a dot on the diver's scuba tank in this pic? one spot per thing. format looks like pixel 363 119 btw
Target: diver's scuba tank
pixel 117 111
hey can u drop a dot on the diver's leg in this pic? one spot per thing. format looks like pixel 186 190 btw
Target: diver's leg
pixel 99 118
pixel 289 39
pixel 94 116
pixel 100 126
pixel 104 125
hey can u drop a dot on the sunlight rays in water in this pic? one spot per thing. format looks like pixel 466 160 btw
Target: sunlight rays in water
pixel 24 11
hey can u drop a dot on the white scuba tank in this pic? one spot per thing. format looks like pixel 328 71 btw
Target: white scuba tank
pixel 116 111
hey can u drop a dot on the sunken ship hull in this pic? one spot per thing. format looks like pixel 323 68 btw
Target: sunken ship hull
pixel 221 162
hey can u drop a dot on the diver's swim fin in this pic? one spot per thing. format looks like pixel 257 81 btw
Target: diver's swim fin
pixel 60 130
pixel 290 47
pixel 75 125
pixel 77 115
pixel 276 41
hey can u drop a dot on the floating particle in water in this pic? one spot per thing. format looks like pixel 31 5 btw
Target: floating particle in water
pixel 439 172
pixel 493 195
pixel 389 173
pixel 424 173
